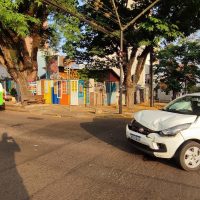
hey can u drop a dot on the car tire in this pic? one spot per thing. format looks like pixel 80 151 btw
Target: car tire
pixel 189 156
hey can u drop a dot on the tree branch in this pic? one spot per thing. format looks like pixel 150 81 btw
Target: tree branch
pixel 81 17
pixel 117 14
pixel 138 16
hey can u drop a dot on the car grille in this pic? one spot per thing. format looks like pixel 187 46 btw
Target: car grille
pixel 137 127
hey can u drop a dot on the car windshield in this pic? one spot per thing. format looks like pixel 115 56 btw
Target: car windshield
pixel 185 105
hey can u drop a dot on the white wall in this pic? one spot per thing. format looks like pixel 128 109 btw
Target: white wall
pixel 163 97
pixel 41 63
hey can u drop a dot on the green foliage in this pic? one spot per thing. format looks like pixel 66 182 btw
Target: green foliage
pixel 153 30
pixel 179 65
pixel 167 21
pixel 98 75
pixel 83 74
pixel 184 14
pixel 66 27
pixel 11 18
pixel 26 17
pixel 194 89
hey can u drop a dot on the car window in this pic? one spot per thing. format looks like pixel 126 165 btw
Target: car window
pixel 185 105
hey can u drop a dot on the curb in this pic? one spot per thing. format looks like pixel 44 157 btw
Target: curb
pixel 67 115
pixel 36 111
pixel 15 108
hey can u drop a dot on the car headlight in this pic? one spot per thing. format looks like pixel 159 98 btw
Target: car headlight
pixel 174 130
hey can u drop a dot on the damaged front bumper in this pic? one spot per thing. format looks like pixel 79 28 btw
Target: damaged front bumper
pixel 153 143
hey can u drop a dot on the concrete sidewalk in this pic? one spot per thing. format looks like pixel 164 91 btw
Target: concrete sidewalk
pixel 78 111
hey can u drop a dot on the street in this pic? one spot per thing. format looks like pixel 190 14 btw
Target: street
pixel 48 158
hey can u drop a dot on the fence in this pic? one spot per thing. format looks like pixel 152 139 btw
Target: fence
pixel 77 92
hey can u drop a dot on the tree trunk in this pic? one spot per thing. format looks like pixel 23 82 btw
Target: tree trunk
pixel 130 88
pixel 130 94
pixel 23 68
pixel 140 66
pixel 174 95
pixel 141 63
pixel 19 54
pixel 131 82
pixel 23 86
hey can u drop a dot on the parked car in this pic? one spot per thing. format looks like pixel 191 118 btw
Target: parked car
pixel 171 132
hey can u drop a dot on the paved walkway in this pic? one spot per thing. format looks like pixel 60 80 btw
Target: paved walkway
pixel 78 111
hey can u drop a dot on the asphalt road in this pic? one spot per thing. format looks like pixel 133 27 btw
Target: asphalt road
pixel 49 158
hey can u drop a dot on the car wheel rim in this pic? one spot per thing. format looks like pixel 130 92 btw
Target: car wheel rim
pixel 192 157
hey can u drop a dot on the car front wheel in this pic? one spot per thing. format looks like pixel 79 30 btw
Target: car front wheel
pixel 189 156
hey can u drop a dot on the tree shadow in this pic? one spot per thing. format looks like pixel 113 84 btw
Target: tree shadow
pixel 113 131
pixel 11 183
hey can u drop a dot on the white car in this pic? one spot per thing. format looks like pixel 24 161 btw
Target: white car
pixel 171 132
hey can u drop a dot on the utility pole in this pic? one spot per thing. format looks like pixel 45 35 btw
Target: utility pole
pixel 151 79
pixel 122 29
pixel 121 71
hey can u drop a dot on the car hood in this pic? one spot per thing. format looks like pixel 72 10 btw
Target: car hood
pixel 158 120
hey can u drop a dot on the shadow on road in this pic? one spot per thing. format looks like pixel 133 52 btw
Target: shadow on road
pixel 113 132
pixel 11 183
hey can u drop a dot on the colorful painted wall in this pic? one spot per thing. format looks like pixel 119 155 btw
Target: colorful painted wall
pixel 76 92
pixel 64 92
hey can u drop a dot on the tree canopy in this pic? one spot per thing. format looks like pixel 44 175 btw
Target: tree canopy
pixel 26 26
pixel 166 21
pixel 24 29
pixel 178 68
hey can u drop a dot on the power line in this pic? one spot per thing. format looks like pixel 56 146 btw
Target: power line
pixel 104 14
pixel 106 9
pixel 83 18
pixel 122 19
